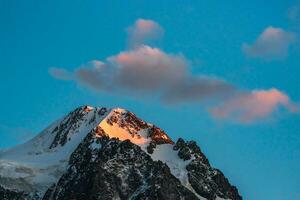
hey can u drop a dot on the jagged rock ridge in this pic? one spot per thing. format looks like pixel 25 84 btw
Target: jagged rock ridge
pixel 99 153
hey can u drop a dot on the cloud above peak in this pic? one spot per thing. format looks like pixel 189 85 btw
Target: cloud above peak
pixel 272 44
pixel 143 31
pixel 148 71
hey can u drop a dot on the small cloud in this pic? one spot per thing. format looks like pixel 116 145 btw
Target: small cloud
pixel 143 32
pixel 273 43
pixel 249 107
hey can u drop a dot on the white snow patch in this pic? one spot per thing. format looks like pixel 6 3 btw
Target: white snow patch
pixel 166 154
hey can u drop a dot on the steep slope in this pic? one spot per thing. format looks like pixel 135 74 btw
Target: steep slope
pixel 99 153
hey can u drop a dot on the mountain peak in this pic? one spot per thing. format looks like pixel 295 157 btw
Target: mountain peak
pixel 91 141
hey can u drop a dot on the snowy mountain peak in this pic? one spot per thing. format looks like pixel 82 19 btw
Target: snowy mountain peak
pixel 95 140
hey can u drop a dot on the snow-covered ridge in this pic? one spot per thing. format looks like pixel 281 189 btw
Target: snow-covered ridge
pixel 39 162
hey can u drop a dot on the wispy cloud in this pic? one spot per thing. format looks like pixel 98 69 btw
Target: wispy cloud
pixel 249 107
pixel 272 44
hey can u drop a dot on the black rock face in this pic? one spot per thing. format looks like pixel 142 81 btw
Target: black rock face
pixel 205 180
pixel 116 170
pixel 10 195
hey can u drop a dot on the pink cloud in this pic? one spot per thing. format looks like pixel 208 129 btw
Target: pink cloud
pixel 143 32
pixel 258 104
pixel 147 68
pixel 148 71
pixel 272 43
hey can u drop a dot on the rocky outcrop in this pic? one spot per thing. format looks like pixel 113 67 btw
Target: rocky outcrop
pixel 103 168
pixel 205 180
pixel 10 195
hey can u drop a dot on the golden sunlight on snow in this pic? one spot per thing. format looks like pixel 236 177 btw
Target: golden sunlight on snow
pixel 116 131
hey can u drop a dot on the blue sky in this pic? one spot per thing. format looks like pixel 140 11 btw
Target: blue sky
pixel 257 147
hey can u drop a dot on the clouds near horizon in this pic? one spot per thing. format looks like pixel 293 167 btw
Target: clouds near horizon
pixel 272 44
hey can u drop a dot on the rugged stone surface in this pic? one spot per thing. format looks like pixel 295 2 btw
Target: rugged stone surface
pixel 10 195
pixel 205 180
pixel 6 194
pixel 70 123
pixel 116 170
